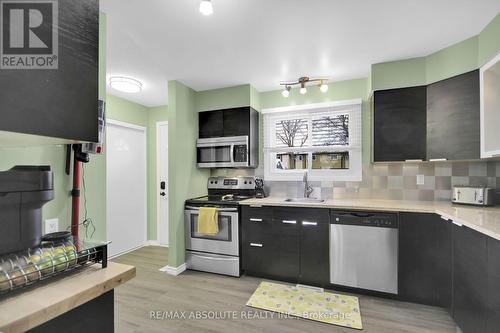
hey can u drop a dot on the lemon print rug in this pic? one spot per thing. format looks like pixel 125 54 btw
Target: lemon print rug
pixel 308 303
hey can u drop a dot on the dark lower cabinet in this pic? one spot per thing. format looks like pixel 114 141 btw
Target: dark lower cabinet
pixel 440 264
pixel 493 304
pixel 270 247
pixel 288 244
pixel 425 259
pixel 314 249
pixel 470 279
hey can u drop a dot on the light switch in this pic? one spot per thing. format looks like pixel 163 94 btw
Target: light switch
pixel 420 179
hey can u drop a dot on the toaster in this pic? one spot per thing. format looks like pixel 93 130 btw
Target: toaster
pixel 473 195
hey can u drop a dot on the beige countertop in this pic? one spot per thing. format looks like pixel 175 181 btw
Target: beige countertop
pixel 26 310
pixel 483 219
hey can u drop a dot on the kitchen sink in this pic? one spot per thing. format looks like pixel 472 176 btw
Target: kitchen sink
pixel 305 200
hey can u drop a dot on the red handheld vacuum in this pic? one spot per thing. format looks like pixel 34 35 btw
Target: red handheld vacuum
pixel 78 157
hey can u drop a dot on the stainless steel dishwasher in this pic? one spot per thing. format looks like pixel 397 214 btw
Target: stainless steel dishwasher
pixel 364 250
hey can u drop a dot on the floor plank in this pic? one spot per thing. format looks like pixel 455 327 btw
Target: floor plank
pixel 153 290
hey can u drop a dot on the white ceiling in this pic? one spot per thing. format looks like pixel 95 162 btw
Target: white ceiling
pixel 262 42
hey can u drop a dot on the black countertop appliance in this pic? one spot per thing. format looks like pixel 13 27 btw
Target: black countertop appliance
pixel 23 192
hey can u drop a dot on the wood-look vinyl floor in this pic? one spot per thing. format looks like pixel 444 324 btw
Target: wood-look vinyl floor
pixel 153 290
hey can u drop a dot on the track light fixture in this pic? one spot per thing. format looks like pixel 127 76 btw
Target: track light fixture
pixel 303 81
pixel 303 89
pixel 286 91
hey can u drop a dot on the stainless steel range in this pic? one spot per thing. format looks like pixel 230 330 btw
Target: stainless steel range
pixel 219 253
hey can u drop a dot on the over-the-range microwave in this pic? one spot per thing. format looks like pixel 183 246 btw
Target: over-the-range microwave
pixel 226 152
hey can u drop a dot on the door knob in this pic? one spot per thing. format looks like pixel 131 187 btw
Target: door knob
pixel 163 194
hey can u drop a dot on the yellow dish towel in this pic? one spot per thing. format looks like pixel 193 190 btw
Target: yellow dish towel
pixel 208 221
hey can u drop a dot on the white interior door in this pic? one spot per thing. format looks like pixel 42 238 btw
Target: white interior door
pixel 162 182
pixel 126 186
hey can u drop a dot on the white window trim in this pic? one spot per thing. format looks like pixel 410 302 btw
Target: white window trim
pixel 354 173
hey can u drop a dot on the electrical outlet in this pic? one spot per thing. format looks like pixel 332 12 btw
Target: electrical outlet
pixel 420 179
pixel 51 226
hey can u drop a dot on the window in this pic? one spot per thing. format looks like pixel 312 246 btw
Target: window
pixel 323 139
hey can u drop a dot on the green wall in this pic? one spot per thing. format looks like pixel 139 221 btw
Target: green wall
pixel 456 59
pixel 223 98
pixel 185 180
pixel 397 74
pixel 126 111
pixel 489 41
pixel 451 61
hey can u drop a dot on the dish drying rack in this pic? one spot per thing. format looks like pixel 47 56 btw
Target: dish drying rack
pixel 50 259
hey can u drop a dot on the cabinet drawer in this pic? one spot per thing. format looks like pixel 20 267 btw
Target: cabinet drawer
pixel 301 214
pixel 259 213
pixel 272 258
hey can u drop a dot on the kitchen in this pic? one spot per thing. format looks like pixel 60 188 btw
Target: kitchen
pixel 216 183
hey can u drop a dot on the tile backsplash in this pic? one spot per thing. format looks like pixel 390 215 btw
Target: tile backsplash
pixel 396 181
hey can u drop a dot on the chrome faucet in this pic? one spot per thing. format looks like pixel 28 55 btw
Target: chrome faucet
pixel 308 190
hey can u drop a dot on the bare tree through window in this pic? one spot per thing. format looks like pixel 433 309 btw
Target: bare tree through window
pixel 292 133
pixel 331 130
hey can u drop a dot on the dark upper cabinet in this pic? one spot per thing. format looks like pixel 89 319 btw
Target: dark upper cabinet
pixel 237 121
pixel 228 122
pixel 425 259
pixel 63 102
pixel 453 129
pixel 211 124
pixel 470 277
pixel 400 124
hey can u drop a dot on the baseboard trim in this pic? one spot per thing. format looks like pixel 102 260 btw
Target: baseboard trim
pixel 125 252
pixel 155 243
pixel 174 270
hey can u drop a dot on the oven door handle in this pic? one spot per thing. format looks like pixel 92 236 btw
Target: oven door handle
pixel 219 209
pixel 213 258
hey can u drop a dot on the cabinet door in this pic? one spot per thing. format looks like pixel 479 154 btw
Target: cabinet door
pixel 425 259
pixel 270 246
pixel 211 124
pixel 399 127
pixel 63 102
pixel 469 279
pixel 493 305
pixel 314 248
pixel 236 121
pixel 453 118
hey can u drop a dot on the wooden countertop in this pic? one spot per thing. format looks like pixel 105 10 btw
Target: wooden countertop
pixel 28 309
pixel 482 219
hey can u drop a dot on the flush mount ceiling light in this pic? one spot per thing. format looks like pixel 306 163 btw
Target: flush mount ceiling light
pixel 206 7
pixel 125 84
pixel 303 81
